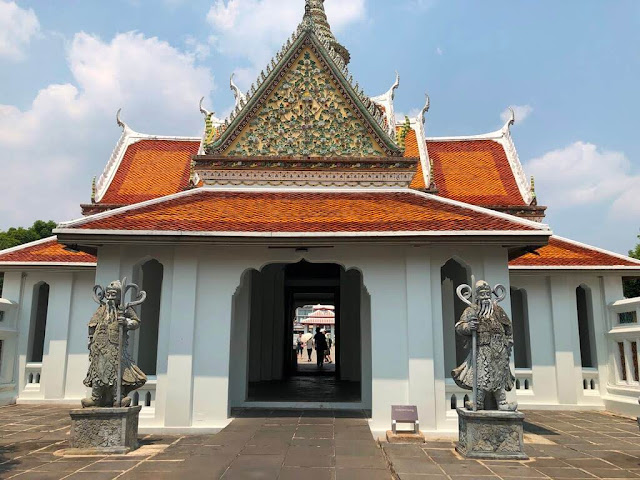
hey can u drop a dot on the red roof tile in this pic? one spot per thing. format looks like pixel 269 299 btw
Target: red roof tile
pixel 151 169
pixel 562 253
pixel 475 172
pixel 47 251
pixel 213 210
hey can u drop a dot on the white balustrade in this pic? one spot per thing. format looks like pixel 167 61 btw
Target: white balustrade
pixel 524 381
pixel 456 396
pixel 146 397
pixel 590 381
pixel 33 373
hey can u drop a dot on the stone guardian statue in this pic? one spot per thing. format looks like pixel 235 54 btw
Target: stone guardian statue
pixel 488 326
pixel 112 373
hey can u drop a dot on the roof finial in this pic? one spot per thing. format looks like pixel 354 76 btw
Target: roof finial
pixel 237 93
pixel 533 186
pixel 425 109
pixel 316 19
pixel 93 190
pixel 510 121
pixel 395 86
pixel 204 111
pixel 120 123
pixel 125 128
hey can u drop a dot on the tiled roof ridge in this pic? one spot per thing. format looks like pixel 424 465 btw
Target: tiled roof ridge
pixel 127 138
pixel 279 190
pixel 71 258
pixel 596 249
pixel 504 138
pixel 565 254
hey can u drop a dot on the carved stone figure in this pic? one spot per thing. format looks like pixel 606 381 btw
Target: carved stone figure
pixel 492 328
pixel 112 373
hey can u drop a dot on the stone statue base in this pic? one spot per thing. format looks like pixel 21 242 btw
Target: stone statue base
pixel 104 430
pixel 491 434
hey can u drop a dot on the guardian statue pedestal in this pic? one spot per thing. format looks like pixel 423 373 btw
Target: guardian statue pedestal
pixel 107 424
pixel 490 426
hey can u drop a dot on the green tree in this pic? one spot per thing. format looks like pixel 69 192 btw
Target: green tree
pixel 18 236
pixel 632 285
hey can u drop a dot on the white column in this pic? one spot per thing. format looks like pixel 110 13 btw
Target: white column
pixel 181 337
pixel 420 343
pixel 54 359
pixel 440 373
pixel 389 337
pixel 12 290
pixel 218 279
pixel 567 344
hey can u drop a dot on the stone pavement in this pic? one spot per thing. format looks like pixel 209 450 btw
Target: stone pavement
pixel 258 445
pixel 317 445
pixel 561 445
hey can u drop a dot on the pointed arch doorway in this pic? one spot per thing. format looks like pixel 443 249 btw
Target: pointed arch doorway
pixel 265 368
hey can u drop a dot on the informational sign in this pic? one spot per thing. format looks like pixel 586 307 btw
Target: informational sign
pixel 404 414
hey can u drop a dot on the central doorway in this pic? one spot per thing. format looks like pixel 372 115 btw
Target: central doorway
pixel 266 367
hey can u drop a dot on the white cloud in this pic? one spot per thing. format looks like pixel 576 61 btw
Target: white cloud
pixel 521 113
pixel 49 152
pixel 439 51
pixel 256 29
pixel 581 175
pixel 17 28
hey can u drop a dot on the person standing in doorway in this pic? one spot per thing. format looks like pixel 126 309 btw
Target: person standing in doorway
pixel 309 348
pixel 321 347
pixel 327 353
pixel 299 343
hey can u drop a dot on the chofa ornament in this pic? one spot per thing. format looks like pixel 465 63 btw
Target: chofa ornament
pixel 486 370
pixel 112 373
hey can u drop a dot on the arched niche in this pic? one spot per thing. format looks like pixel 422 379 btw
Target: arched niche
pixel 520 320
pixel 149 275
pixel 584 307
pixel 38 324
pixel 453 273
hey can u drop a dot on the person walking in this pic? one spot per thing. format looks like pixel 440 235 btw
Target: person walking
pixel 321 347
pixel 309 348
pixel 327 353
pixel 299 343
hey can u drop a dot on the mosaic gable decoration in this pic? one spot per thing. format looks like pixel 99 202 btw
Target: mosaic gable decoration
pixel 306 115
pixel 305 105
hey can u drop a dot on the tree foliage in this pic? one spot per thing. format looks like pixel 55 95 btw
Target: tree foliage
pixel 18 236
pixel 632 285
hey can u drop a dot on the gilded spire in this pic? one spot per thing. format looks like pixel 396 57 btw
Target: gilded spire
pixel 323 29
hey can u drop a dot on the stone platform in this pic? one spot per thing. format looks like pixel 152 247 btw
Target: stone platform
pixel 491 434
pixel 104 430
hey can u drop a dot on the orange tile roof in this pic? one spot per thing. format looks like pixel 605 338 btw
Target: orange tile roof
pixel 214 210
pixel 44 251
pixel 475 172
pixel 562 253
pixel 411 151
pixel 151 169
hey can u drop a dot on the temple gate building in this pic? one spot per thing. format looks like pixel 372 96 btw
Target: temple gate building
pixel 312 193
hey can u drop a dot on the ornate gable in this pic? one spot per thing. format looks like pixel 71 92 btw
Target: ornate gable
pixel 305 123
pixel 307 114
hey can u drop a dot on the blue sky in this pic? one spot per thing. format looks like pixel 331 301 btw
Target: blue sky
pixel 571 68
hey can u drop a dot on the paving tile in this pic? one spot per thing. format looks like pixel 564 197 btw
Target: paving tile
pixel 555 472
pixel 416 465
pixel 92 476
pixel 292 460
pixel 404 451
pixel 376 462
pixel 512 471
pixel 471 468
pixel 297 473
pixel 362 474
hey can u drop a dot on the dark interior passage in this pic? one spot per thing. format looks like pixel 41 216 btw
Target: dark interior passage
pixel 275 370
